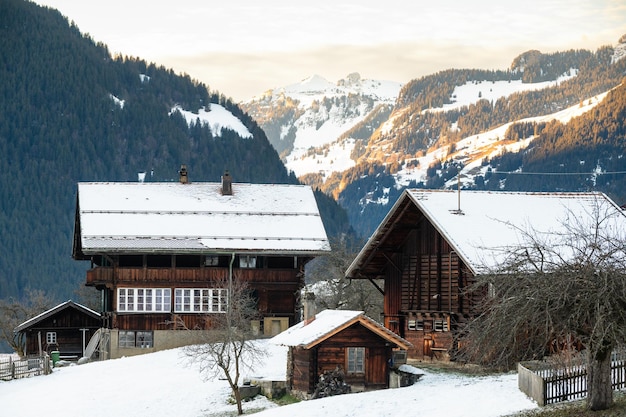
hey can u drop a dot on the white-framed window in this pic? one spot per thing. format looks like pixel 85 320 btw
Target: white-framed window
pixel 135 339
pixel 200 300
pixel 355 360
pixel 141 300
pixel 441 325
pixel 416 324
pixel 247 261
pixel 51 338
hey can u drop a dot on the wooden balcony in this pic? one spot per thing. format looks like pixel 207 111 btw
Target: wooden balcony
pixel 112 277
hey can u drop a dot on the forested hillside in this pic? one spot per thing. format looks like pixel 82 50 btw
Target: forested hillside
pixel 588 153
pixel 425 119
pixel 71 112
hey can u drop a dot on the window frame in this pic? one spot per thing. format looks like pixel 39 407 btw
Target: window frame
pixel 355 360
pixel 135 339
pixel 200 300
pixel 144 300
pixel 247 261
pixel 51 338
pixel 441 325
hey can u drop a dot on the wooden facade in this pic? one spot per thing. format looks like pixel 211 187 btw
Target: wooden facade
pixel 424 280
pixel 65 328
pixel 274 286
pixel 424 292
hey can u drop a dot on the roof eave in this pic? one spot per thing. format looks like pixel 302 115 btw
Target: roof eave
pixel 373 241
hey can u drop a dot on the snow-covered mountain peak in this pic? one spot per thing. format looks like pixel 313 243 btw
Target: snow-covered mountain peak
pixel 304 120
pixel 316 88
pixel 311 85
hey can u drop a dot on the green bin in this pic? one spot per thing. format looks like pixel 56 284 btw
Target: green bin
pixel 56 356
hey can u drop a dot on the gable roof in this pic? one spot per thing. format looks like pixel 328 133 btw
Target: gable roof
pixel 330 322
pixel 48 313
pixel 478 224
pixel 197 218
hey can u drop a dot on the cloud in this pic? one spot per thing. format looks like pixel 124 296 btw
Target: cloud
pixel 244 47
pixel 243 75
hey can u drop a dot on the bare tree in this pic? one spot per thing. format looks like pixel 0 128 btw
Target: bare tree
pixel 557 291
pixel 229 346
pixel 89 297
pixel 14 312
pixel 325 277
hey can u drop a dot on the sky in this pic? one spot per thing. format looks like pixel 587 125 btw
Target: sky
pixel 165 384
pixel 243 48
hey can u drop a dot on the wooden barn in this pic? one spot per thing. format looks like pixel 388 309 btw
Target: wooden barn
pixel 163 253
pixel 432 244
pixel 339 339
pixel 65 328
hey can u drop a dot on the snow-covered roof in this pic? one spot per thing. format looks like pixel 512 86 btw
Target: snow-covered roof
pixel 54 310
pixel 480 225
pixel 327 323
pixel 195 217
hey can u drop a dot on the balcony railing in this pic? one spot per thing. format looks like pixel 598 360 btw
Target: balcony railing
pixel 128 276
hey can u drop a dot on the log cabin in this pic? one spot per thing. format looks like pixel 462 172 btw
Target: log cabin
pixel 433 243
pixel 161 254
pixel 65 328
pixel 345 340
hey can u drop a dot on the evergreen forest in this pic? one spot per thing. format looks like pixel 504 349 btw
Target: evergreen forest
pixel 72 112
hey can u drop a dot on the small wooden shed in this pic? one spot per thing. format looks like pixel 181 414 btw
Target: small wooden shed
pixel 66 328
pixel 359 346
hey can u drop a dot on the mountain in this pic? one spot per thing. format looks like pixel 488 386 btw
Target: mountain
pixel 494 128
pixel 306 121
pixel 71 112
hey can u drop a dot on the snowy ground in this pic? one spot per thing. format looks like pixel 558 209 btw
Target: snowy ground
pixel 165 384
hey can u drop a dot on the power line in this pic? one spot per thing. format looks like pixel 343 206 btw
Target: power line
pixel 557 173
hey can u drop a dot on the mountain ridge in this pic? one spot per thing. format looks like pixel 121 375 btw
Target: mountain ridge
pixel 438 115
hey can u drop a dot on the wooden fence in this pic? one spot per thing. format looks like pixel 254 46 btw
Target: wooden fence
pixel 549 383
pixel 12 367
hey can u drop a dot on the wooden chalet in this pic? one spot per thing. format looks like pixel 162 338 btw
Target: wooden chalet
pixel 339 339
pixel 161 253
pixel 433 243
pixel 65 328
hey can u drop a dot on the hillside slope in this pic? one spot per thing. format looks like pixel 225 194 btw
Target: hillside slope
pixel 468 121
pixel 71 112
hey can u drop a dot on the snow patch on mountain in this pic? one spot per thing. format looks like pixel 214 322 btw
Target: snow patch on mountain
pixel 120 103
pixel 472 91
pixel 472 150
pixel 619 52
pixel 217 118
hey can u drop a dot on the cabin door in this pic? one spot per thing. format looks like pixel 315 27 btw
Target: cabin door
pixel 428 344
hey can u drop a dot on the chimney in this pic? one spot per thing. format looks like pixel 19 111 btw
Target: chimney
pixel 183 174
pixel 227 184
pixel 308 307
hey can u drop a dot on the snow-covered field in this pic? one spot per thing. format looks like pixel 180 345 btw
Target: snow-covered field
pixel 166 384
